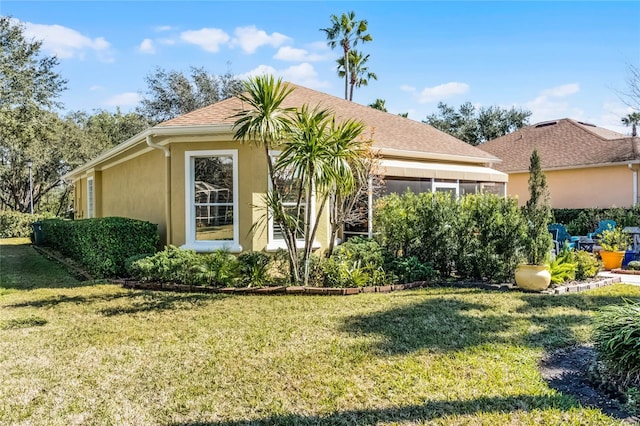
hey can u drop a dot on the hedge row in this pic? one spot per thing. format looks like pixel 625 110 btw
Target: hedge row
pixel 16 225
pixel 583 221
pixel 102 245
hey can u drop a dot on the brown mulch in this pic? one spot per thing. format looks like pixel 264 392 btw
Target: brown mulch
pixel 567 371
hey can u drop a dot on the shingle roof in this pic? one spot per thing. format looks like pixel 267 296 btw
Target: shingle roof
pixel 563 143
pixel 390 131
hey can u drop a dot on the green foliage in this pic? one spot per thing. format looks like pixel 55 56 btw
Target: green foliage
pixel 587 265
pixel 102 245
pixel 583 221
pixel 563 267
pixel 254 268
pixel 615 240
pixel 634 265
pixel 478 236
pixel 617 341
pixel 221 269
pixel 537 213
pixel 363 250
pixel 477 126
pixel 410 269
pixel 16 224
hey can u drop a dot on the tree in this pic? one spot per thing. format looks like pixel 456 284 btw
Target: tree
pixel 633 119
pixel 538 214
pixel 379 104
pixel 359 74
pixel 29 127
pixel 172 93
pixel 346 32
pixel 477 126
pixel 631 96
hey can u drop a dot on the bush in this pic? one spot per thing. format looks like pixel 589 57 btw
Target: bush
pixel 410 269
pixel 634 265
pixel 102 245
pixel 254 268
pixel 587 265
pixel 17 225
pixel 617 342
pixel 583 221
pixel 563 267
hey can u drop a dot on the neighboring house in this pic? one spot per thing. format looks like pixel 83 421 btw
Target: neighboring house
pixel 202 187
pixel 585 165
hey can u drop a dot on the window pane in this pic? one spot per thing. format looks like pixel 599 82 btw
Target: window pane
pixel 214 223
pixel 277 229
pixel 400 186
pixel 496 188
pixel 469 188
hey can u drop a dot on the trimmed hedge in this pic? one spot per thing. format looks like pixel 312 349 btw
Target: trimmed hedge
pixel 583 221
pixel 103 244
pixel 17 225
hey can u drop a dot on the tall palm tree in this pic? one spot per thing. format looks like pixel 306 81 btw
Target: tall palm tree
pixel 320 154
pixel 346 32
pixel 266 123
pixel 379 104
pixel 633 119
pixel 359 74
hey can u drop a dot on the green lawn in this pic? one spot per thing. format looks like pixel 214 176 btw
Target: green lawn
pixel 98 354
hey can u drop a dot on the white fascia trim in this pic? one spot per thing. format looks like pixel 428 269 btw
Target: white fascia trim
pixel 152 131
pixel 189 211
pixel 435 156
pixel 584 166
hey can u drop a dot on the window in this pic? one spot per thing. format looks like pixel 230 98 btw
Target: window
pixel 289 187
pixel 91 202
pixel 211 179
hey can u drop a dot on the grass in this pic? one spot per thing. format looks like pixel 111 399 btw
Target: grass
pixel 102 355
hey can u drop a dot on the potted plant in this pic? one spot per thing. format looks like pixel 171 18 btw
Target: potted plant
pixel 614 243
pixel 534 275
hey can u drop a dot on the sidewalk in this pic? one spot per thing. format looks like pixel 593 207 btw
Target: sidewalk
pixel 624 278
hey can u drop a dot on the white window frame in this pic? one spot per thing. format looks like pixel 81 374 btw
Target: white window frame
pixel 445 185
pixel 274 243
pixel 190 209
pixel 91 198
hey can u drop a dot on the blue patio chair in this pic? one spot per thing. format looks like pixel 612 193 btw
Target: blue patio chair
pixel 563 237
pixel 603 225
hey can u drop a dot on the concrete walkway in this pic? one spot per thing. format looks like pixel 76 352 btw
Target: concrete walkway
pixel 624 278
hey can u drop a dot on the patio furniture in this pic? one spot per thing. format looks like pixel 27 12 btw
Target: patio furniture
pixel 563 237
pixel 586 244
pixel 603 225
pixel 634 231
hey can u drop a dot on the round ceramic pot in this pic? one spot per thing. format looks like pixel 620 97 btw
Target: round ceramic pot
pixel 533 277
pixel 612 259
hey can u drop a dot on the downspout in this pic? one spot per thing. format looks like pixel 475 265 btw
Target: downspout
pixel 167 194
pixel 370 207
pixel 635 183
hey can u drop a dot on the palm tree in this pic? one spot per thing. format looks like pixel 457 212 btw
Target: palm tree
pixel 379 104
pixel 266 123
pixel 359 74
pixel 346 32
pixel 633 119
pixel 320 153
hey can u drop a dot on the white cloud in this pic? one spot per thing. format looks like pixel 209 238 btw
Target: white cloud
pixel 147 46
pixel 162 28
pixel 167 41
pixel 303 74
pixel 208 39
pixel 123 99
pixel 68 43
pixel 561 91
pixel 292 54
pixel 552 104
pixel 250 38
pixel 442 91
pixel 407 88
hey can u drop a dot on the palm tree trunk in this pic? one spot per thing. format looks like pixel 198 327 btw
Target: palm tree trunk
pixel 346 72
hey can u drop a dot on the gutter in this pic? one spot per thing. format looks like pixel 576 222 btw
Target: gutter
pixel 435 156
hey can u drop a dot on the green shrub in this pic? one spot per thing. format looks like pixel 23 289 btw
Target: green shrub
pixel 634 265
pixel 221 268
pixel 102 245
pixel 587 265
pixel 617 341
pixel 583 221
pixel 563 267
pixel 17 225
pixel 410 269
pixel 254 268
pixel 364 250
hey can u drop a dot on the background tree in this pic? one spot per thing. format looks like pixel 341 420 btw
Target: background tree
pixel 359 74
pixel 172 93
pixel 476 126
pixel 29 127
pixel 633 119
pixel 631 96
pixel 346 32
pixel 379 104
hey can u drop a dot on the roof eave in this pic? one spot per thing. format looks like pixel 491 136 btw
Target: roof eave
pixel 437 156
pixel 580 166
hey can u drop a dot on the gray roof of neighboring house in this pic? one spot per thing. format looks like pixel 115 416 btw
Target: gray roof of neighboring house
pixel 389 131
pixel 563 143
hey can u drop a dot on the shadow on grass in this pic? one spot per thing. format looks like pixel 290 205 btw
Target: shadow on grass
pixel 432 410
pixel 132 302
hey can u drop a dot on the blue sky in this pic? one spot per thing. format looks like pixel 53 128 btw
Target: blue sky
pixel 557 59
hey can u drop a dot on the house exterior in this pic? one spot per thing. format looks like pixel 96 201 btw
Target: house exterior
pixel 202 187
pixel 586 166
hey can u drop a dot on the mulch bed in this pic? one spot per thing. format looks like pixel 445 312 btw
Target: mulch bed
pixel 567 371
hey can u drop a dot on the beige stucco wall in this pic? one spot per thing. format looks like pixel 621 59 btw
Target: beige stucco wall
pixel 600 187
